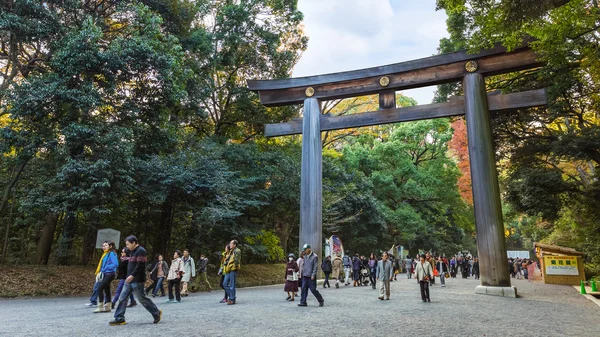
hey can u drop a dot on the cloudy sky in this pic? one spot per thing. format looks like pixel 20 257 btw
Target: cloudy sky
pixel 354 34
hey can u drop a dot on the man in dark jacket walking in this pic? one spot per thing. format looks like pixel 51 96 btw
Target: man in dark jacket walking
pixel 309 276
pixel 136 271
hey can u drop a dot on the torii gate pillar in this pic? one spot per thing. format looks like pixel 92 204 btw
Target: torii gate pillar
pixel 491 247
pixel 311 184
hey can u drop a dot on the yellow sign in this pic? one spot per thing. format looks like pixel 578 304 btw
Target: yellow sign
pixel 561 265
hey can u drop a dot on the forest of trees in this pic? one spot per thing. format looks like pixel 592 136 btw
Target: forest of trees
pixel 135 115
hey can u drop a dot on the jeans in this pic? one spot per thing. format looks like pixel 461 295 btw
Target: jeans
pixel 356 273
pixel 442 279
pixel 372 275
pixel 309 283
pixel 229 283
pixel 159 286
pixel 175 283
pixel 409 273
pixel 222 285
pixel 118 292
pixel 347 270
pixel 140 294
pixel 94 298
pixel 326 282
pixel 424 290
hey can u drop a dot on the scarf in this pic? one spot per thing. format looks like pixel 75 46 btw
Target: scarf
pixel 100 263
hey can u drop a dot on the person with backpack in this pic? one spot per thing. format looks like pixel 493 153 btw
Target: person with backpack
pixel 356 269
pixel 408 265
pixel 347 261
pixel 160 270
pixel 326 267
pixel 338 266
pixel 189 268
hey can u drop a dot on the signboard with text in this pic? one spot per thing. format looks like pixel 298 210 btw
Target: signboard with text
pixel 516 254
pixel 108 235
pixel 561 265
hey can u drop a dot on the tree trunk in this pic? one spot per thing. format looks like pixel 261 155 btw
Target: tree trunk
pixel 12 184
pixel 68 234
pixel 8 224
pixel 45 244
pixel 89 243
pixel 163 231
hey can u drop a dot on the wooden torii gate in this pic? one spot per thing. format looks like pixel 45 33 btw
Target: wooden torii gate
pixel 384 81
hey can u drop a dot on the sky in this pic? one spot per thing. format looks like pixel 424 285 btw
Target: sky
pixel 354 34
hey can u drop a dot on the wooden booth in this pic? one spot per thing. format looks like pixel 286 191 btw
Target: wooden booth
pixel 560 265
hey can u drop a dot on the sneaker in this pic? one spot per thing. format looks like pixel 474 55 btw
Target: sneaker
pixel 89 305
pixel 302 305
pixel 321 303
pixel 170 301
pixel 443 285
pixel 337 285
pixel 381 298
pixel 116 322
pixel 157 319
pixel 177 301
pixel 223 300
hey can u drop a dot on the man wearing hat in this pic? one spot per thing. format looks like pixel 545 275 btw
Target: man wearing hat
pixel 309 276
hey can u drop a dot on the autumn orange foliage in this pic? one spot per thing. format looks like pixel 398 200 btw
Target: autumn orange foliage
pixel 458 146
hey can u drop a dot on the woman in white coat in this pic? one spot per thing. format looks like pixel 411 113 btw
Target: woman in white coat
pixel 189 268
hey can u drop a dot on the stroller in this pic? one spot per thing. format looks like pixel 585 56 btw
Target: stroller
pixel 364 274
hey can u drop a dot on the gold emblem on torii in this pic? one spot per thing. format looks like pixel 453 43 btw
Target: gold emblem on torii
pixel 471 66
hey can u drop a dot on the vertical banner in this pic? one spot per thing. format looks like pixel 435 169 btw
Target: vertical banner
pixel 336 246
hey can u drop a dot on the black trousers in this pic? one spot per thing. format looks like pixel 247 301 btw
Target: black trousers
pixel 326 282
pixel 104 288
pixel 175 283
pixel 424 290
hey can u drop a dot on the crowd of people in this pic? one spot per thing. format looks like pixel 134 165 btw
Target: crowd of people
pixel 132 271
pixel 375 270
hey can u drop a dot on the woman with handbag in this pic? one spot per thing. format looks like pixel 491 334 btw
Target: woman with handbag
pixel 107 274
pixel 424 272
pixel 291 278
pixel 442 269
pixel 174 277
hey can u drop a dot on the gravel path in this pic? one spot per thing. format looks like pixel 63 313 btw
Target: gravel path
pixel 542 310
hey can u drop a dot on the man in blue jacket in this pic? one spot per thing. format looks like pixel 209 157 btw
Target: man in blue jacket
pixel 309 276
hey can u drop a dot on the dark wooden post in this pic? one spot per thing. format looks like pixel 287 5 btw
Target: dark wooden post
pixel 311 229
pixel 387 99
pixel 491 246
